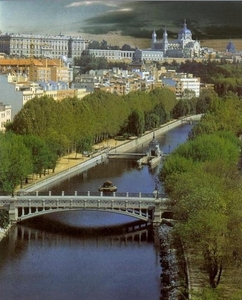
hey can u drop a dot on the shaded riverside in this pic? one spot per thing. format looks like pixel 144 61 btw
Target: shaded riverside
pixel 133 142
pixel 101 155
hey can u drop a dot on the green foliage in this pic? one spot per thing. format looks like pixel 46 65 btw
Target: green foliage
pixel 42 156
pixel 204 185
pixel 136 123
pixel 89 62
pixel 16 161
pixel 68 125
pixel 226 77
pixel 182 108
pixel 210 147
pixel 151 121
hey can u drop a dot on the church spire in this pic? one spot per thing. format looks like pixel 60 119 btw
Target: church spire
pixel 153 41
pixel 165 41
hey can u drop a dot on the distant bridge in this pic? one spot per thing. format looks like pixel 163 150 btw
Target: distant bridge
pixel 145 207
pixel 126 155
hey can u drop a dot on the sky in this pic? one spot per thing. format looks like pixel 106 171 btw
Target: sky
pixel 135 18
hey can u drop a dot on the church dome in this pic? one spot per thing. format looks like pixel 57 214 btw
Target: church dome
pixel 185 30
pixel 230 47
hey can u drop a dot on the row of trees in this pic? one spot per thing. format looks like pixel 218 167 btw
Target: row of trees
pixel 51 129
pixel 94 118
pixel 203 180
pixel 44 130
pixel 21 156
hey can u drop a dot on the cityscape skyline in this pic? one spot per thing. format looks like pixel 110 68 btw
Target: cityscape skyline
pixel 128 18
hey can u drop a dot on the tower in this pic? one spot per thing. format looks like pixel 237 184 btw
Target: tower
pixel 153 41
pixel 165 41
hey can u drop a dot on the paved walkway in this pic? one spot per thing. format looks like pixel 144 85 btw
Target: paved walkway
pixel 71 160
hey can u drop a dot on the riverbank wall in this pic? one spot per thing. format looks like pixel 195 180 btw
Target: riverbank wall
pixel 101 155
pixel 83 166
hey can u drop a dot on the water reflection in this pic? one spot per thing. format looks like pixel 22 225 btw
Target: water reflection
pixel 62 257
pixel 53 260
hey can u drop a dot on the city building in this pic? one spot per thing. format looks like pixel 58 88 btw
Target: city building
pixel 182 84
pixel 5 115
pixel 38 45
pixel 38 69
pixel 16 90
pixel 148 55
pixel 111 54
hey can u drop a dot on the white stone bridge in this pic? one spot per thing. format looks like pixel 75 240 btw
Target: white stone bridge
pixel 146 207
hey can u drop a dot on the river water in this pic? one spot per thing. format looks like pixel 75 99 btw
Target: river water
pixel 88 255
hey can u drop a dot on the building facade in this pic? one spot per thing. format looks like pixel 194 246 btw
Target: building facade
pixel 183 46
pixel 38 69
pixel 51 46
pixel 5 115
pixel 111 54
pixel 16 91
pixel 182 84
pixel 148 55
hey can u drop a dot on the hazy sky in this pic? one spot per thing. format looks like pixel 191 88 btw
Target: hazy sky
pixel 129 17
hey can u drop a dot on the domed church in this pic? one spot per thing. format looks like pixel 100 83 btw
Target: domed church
pixel 183 46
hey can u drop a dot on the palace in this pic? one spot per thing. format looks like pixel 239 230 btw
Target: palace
pixel 41 45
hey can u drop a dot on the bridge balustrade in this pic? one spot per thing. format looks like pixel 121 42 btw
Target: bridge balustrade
pixel 89 193
pixel 143 206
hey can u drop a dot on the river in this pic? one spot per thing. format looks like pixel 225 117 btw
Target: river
pixel 88 255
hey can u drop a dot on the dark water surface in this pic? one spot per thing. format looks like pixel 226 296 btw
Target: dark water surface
pixel 87 255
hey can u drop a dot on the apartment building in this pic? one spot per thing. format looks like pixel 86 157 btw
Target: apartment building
pixel 38 69
pixel 5 115
pixel 16 90
pixel 181 83
pixel 38 45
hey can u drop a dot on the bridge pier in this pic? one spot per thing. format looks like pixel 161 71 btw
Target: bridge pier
pixel 157 217
pixel 13 211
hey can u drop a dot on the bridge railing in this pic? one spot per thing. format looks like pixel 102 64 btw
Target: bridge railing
pixel 89 193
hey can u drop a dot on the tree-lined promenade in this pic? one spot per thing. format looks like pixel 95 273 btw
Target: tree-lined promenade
pixel 45 130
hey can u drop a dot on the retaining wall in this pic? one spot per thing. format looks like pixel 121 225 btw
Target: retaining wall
pixel 129 145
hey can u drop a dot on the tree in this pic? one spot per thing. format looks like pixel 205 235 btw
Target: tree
pixel 136 123
pixel 42 156
pixel 151 121
pixel 16 162
pixel 182 108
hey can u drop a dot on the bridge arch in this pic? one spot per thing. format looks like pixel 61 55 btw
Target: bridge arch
pixel 147 217
pixel 146 208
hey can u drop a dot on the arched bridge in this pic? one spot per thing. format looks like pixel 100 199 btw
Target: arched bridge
pixel 147 207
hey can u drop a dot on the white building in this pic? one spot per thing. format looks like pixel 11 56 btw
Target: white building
pixel 31 45
pixel 16 91
pixel 5 115
pixel 183 46
pixel 182 84
pixel 111 54
pixel 148 55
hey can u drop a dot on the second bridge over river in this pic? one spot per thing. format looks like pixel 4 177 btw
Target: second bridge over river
pixel 146 207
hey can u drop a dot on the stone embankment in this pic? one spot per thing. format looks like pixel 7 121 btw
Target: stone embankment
pixel 74 165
